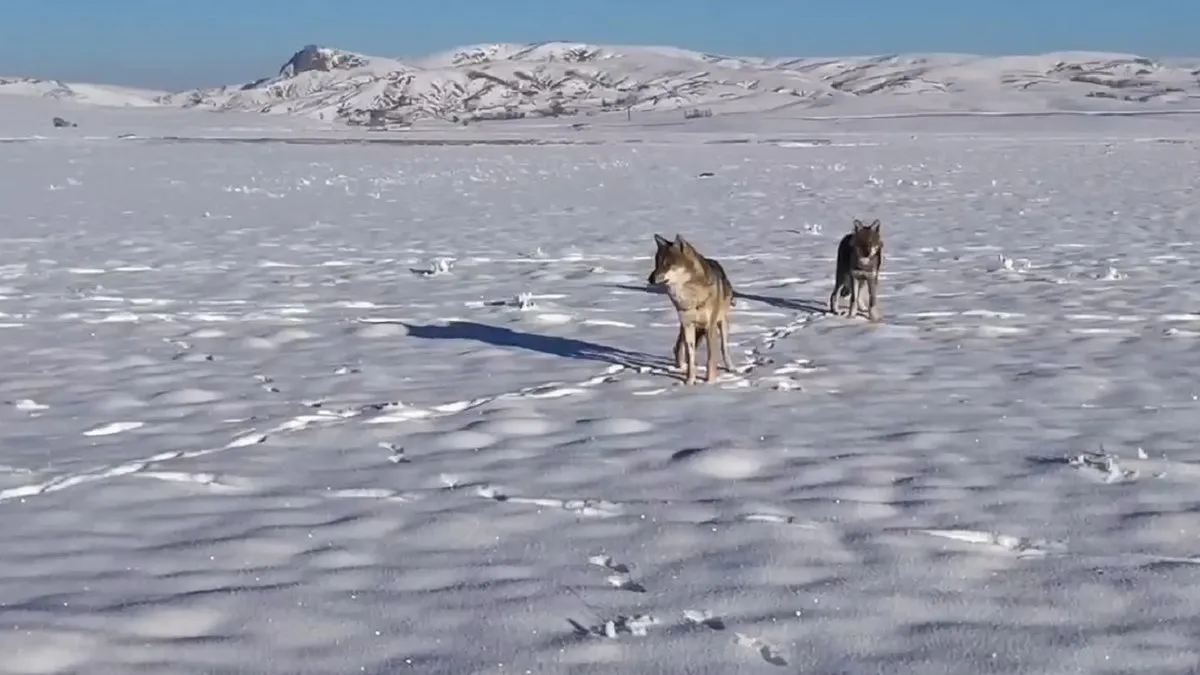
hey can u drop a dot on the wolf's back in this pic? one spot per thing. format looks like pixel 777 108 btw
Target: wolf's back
pixel 724 285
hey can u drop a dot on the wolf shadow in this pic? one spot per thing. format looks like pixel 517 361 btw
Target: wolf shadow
pixel 569 348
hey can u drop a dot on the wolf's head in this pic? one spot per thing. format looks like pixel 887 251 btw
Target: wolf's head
pixel 867 240
pixel 674 261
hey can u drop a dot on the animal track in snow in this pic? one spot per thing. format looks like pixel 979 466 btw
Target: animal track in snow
pixel 1008 264
pixel 437 267
pixel 621 576
pixel 398 412
pixel 1109 468
pixel 660 510
pixel 1104 464
pixel 768 652
pixel 380 494
pixel 266 382
pixel 397 453
pixel 785 377
pixel 757 357
pixel 522 301
pixel 63 482
pixel 637 626
pixel 594 508
pixel 137 466
pixel 1002 543
pixel 113 428
pixel 226 484
pixel 703 617
pixel 606 561
pixel 774 518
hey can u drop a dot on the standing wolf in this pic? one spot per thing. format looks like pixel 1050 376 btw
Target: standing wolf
pixel 859 258
pixel 702 296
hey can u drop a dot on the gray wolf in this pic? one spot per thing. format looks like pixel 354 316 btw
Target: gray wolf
pixel 859 259
pixel 702 295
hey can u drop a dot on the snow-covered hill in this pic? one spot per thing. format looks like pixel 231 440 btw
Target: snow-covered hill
pixel 94 94
pixel 557 79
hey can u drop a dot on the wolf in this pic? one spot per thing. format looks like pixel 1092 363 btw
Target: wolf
pixel 859 259
pixel 702 295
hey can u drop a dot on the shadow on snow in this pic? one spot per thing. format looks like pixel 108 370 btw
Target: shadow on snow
pixel 570 348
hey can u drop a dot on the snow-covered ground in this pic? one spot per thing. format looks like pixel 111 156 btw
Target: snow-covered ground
pixel 28 120
pixel 245 431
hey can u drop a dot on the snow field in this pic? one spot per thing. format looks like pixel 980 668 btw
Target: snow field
pixel 301 409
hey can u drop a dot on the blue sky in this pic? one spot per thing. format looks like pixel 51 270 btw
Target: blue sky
pixel 176 45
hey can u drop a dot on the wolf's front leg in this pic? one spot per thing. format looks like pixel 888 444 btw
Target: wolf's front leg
pixel 873 298
pixel 689 347
pixel 723 326
pixel 679 348
pixel 864 299
pixel 852 310
pixel 712 344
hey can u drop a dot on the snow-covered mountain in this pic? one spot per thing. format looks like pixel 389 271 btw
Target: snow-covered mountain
pixel 508 81
pixel 504 81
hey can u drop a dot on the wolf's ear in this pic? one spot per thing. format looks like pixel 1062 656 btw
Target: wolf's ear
pixel 661 241
pixel 858 225
pixel 876 224
pixel 682 243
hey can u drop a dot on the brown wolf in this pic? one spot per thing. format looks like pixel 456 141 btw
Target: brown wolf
pixel 702 295
pixel 859 259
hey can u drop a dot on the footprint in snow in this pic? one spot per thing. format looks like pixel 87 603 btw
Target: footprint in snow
pixel 113 428
pixel 397 455
pixel 703 617
pixel 621 576
pixel 634 625
pixel 768 652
